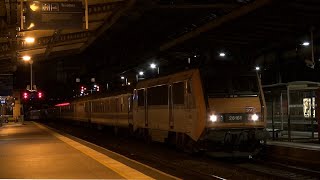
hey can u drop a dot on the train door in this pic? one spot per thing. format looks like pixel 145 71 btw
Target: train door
pixel 140 112
pixel 130 103
pixel 178 106
pixel 158 107
pixel 171 119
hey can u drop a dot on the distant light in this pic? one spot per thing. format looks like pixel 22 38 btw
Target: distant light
pixel 26 58
pixel 95 85
pixel 40 94
pixel 153 65
pixel 306 43
pixel 195 56
pixel 25 95
pixel 122 77
pixel 129 83
pixel 257 68
pixel 222 54
pixel 63 104
pixel 31 26
pixel 141 73
pixel 29 39
pixel 34 7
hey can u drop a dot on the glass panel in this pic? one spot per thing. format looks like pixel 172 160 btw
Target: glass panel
pixel 158 95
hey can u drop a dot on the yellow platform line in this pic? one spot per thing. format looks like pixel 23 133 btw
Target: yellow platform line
pixel 122 169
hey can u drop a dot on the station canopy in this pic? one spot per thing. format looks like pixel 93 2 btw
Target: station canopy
pixel 132 31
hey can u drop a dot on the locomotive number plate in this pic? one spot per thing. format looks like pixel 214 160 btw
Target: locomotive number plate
pixel 235 118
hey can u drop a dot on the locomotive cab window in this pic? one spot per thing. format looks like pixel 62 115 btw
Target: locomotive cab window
pixel 236 82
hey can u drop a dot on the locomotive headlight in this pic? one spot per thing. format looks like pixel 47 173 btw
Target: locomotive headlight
pixel 254 117
pixel 213 118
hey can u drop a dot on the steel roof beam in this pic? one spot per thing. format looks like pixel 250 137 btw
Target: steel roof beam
pixel 52 41
pixel 199 6
pixel 108 24
pixel 217 22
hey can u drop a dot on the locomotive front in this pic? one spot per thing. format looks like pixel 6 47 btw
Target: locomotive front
pixel 235 110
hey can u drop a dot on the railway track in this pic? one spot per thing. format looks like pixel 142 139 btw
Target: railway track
pixel 186 166
pixel 278 173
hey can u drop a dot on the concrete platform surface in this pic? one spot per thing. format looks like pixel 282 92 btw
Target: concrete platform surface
pixel 301 154
pixel 33 151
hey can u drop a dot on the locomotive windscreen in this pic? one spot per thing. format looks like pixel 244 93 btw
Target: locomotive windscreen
pixel 229 82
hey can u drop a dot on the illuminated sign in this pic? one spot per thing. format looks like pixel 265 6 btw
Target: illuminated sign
pixel 309 107
pixel 54 15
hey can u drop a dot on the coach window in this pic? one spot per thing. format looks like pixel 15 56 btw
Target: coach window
pixel 107 102
pixel 93 104
pixel 178 93
pixel 121 104
pixel 158 95
pixel 141 97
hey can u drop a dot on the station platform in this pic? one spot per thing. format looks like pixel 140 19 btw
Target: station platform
pixel 33 151
pixel 301 154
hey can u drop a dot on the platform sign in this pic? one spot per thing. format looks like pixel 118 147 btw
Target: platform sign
pixel 54 15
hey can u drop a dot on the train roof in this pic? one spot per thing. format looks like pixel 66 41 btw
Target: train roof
pixel 176 77
pixel 102 95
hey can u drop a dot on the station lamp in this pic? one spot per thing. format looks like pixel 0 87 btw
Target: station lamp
pixel 222 54
pixel 153 66
pixel 306 43
pixel 31 26
pixel 29 39
pixel 26 58
pixel 34 6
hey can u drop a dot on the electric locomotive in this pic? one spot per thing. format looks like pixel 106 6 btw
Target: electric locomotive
pixel 191 109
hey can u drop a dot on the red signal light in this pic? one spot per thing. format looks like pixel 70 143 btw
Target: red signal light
pixel 39 94
pixel 25 95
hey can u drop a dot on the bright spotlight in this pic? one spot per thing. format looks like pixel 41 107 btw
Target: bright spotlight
pixel 122 77
pixel 34 7
pixel 222 54
pixel 257 68
pixel 26 58
pixel 306 43
pixel 153 65
pixel 29 39
pixel 141 73
pixel 31 25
